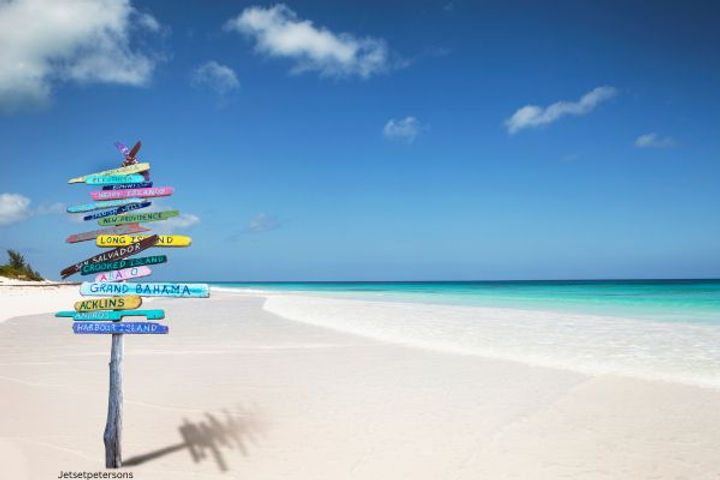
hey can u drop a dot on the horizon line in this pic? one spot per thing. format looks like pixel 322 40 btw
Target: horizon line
pixel 668 279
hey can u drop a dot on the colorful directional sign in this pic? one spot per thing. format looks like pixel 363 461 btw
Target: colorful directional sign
pixel 132 192
pixel 88 207
pixel 110 255
pixel 146 289
pixel 108 241
pixel 120 327
pixel 122 186
pixel 128 170
pixel 117 230
pixel 138 217
pixel 112 315
pixel 124 274
pixel 127 302
pixel 117 211
pixel 113 179
pixel 91 268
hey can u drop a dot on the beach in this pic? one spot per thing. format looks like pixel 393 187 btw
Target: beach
pixel 238 391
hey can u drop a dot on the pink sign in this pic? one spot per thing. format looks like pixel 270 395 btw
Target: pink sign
pixel 132 193
pixel 124 274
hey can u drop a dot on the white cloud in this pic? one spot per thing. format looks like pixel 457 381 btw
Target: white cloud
pixel 534 115
pixel 46 41
pixel 184 220
pixel 279 32
pixel 148 21
pixel 653 140
pixel 406 129
pixel 262 223
pixel 56 208
pixel 13 208
pixel 219 78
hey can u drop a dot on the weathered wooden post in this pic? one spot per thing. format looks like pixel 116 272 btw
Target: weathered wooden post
pixel 113 426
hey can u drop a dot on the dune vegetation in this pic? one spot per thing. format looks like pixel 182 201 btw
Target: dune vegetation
pixel 17 267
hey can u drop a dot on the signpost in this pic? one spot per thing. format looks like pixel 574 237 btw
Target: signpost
pixel 124 190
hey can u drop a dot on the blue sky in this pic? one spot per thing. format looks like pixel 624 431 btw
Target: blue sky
pixel 416 140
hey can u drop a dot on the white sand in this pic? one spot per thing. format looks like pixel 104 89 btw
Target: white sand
pixel 19 298
pixel 292 401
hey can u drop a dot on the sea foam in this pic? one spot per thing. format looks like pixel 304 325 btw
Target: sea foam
pixel 591 344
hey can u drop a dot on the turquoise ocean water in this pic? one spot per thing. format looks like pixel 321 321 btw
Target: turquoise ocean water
pixel 659 300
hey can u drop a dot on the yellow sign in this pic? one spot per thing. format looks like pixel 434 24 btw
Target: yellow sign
pixel 130 169
pixel 112 241
pixel 128 302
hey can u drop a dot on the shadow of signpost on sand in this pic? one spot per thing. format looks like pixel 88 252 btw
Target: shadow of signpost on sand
pixel 206 437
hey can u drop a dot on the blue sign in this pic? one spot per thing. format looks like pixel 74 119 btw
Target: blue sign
pixel 112 315
pixel 122 186
pixel 117 211
pixel 139 328
pixel 186 290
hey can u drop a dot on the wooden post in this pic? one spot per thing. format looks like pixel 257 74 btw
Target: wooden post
pixel 113 426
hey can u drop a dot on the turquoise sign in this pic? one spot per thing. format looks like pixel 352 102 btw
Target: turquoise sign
pixel 88 207
pixel 187 290
pixel 113 179
pixel 112 315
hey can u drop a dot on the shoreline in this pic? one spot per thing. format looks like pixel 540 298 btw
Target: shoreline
pixel 586 343
pixel 292 400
